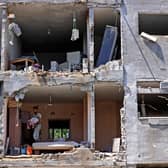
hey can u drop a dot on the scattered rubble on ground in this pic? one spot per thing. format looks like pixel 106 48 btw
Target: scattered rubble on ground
pixel 109 66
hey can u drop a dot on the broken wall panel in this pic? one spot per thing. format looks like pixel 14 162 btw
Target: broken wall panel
pixel 108 45
pixel 103 17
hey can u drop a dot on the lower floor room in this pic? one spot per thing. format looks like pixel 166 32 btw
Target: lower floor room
pixel 65 114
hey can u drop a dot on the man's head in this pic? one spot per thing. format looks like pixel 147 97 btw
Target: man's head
pixel 35 109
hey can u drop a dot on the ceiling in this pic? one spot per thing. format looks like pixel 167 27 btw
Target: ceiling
pixel 48 25
pixel 68 93
pixel 64 93
pixel 108 91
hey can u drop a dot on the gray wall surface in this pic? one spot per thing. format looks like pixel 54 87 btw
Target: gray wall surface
pixel 0 29
pixel 143 60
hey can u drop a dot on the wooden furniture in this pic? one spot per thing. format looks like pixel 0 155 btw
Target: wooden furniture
pixel 22 62
pixel 57 146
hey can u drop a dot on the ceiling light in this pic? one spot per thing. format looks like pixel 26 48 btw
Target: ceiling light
pixel 75 31
pixel 49 31
pixel 50 101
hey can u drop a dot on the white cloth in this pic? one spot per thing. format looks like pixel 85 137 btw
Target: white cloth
pixel 34 120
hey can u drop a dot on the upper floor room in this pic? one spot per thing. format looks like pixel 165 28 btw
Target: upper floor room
pixel 59 37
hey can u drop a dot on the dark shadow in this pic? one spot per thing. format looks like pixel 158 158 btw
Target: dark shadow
pixel 156 49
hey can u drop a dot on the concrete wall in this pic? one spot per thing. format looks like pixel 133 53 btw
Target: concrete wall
pixel 0 25
pixel 15 49
pixel 146 142
pixel 107 123
pixel 71 111
pixel 145 56
pixel 2 115
pixel 14 130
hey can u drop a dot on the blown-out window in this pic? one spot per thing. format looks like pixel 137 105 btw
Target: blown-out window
pixel 59 129
pixel 154 24
pixel 153 105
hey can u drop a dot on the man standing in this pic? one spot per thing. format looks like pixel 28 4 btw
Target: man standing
pixel 34 123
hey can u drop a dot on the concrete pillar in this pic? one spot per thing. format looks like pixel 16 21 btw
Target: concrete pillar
pixel 3 120
pixel 85 118
pixel 90 38
pixel 84 43
pixel 91 117
pixel 4 32
pixel 4 124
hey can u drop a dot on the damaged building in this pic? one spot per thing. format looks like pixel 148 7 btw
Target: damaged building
pixel 92 75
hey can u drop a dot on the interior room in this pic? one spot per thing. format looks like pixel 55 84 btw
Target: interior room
pixel 62 110
pixel 57 31
pixel 46 33
pixel 102 18
pixel 153 105
pixel 109 100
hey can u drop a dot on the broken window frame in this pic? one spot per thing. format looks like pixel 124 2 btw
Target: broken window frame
pixel 142 28
pixel 150 91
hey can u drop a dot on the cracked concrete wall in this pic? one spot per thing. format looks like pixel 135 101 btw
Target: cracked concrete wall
pixel 2 102
pixel 15 49
pixel 146 56
pixel 146 61
pixel 0 25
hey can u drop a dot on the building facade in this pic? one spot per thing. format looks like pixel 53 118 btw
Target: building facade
pixel 83 101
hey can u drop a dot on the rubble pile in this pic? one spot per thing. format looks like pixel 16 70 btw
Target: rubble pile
pixel 78 154
pixel 109 66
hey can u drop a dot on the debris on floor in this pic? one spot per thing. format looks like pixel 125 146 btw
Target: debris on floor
pixel 109 66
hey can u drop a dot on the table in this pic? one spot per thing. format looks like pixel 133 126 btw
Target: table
pixel 57 146
pixel 22 62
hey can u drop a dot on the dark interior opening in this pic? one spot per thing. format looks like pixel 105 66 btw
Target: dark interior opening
pixel 155 24
pixel 49 50
pixel 104 17
pixel 153 105
pixel 59 124
pixel 59 129
pixel 47 35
